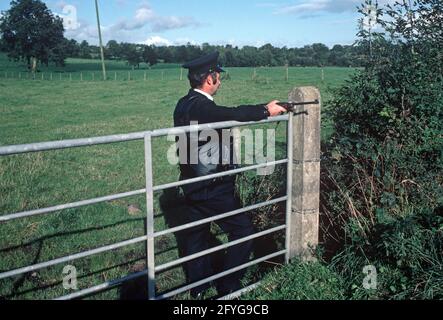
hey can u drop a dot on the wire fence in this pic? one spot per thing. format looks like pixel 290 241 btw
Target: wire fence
pixel 262 74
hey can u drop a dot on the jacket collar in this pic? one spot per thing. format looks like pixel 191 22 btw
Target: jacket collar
pixel 204 94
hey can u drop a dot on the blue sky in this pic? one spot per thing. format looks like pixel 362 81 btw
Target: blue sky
pixel 291 23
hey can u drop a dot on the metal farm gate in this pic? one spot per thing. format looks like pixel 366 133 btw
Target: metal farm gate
pixel 302 197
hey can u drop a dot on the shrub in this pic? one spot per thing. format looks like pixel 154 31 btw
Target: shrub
pixel 382 175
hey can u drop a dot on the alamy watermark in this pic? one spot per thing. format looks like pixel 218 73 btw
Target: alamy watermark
pixel 370 281
pixel 211 148
pixel 370 19
pixel 69 17
pixel 70 278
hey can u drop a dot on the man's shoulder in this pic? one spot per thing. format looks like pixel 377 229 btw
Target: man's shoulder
pixel 192 104
pixel 188 100
pixel 193 96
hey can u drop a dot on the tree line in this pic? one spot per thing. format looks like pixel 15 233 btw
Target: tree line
pixel 316 54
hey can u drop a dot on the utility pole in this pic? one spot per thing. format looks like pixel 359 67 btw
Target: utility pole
pixel 101 42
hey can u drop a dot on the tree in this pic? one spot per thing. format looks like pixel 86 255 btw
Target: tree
pixel 165 54
pixel 133 56
pixel 181 54
pixel 113 50
pixel 321 53
pixel 230 60
pixel 149 55
pixel 337 56
pixel 72 48
pixel 85 50
pixel 32 33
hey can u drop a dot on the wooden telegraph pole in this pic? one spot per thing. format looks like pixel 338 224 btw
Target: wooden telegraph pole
pixel 101 42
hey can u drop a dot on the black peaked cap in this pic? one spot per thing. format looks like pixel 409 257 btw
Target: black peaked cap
pixel 207 63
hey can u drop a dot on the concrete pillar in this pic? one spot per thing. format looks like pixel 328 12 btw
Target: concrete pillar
pixel 304 220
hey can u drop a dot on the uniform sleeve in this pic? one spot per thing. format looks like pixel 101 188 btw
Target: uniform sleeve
pixel 210 112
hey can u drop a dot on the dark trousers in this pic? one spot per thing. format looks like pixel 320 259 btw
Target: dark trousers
pixel 212 202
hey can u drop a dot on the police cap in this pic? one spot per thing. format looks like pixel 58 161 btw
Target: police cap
pixel 208 63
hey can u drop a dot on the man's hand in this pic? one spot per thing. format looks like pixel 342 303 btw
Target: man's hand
pixel 274 109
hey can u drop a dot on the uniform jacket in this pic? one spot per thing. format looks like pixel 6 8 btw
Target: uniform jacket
pixel 196 107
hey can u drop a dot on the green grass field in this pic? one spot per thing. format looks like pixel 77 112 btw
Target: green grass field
pixel 45 110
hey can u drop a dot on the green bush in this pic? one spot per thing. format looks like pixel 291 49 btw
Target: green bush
pixel 407 255
pixel 382 174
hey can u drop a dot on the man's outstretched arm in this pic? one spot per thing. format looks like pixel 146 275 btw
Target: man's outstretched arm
pixel 210 112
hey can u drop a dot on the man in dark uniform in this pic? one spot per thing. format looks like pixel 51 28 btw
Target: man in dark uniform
pixel 216 196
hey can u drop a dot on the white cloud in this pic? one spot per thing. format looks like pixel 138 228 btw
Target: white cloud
pixel 144 20
pixel 84 31
pixel 316 6
pixel 167 23
pixel 157 41
pixel 61 4
pixel 313 7
pixel 145 16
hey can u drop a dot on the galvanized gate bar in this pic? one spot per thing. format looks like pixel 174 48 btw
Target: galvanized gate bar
pixel 218 217
pixel 106 285
pixel 290 151
pixel 214 126
pixel 113 283
pixel 218 175
pixel 71 257
pixel 150 254
pixel 71 205
pixel 149 190
pixel 219 275
pixel 82 203
pixel 74 143
pixel 217 248
pixel 66 144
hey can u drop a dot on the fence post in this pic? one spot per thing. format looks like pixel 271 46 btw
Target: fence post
pixel 304 215
pixel 150 255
